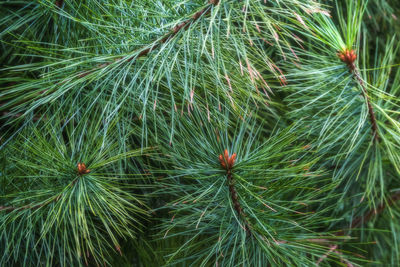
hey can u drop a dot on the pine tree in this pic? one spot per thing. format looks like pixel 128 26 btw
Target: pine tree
pixel 199 133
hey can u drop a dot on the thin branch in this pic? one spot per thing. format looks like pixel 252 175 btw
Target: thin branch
pixel 360 220
pixel 370 214
pixel 235 201
pixel 171 34
pixel 18 115
pixel 349 57
pixel 37 206
pixel 31 207
pixel 371 112
pixel 227 163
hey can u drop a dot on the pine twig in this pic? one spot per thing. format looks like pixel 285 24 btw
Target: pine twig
pixel 349 57
pixel 18 115
pixel 27 207
pixel 371 112
pixel 370 214
pixel 81 170
pixel 358 221
pixel 227 163
pixel 171 34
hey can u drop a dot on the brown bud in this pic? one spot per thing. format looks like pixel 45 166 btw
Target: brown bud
pixel 232 160
pixel 222 161
pixel 347 56
pixel 227 161
pixel 226 155
pixel 82 169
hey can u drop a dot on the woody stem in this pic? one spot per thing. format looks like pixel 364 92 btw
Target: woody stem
pixel 172 33
pixel 235 201
pixel 372 118
pixel 145 51
pixel 366 217
pixel 32 207
pixel 36 206
pixel 370 214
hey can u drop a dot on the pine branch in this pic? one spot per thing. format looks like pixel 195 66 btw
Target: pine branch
pixel 53 199
pixel 19 115
pixel 349 57
pixel 171 34
pixel 49 183
pixel 371 112
pixel 32 207
pixel 358 221
pixel 227 163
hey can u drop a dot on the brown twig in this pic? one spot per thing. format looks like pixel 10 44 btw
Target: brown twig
pixel 360 220
pixel 17 115
pixel 227 163
pixel 370 214
pixel 349 57
pixel 81 170
pixel 171 34
pixel 26 207
pixel 374 125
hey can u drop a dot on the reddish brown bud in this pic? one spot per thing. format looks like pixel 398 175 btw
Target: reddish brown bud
pixel 226 161
pixel 232 160
pixel 222 161
pixel 82 169
pixel 348 56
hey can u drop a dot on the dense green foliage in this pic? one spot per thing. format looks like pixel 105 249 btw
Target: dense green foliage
pixel 195 133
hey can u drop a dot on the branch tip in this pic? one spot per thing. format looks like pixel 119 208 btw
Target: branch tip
pixel 349 57
pixel 82 169
pixel 227 161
